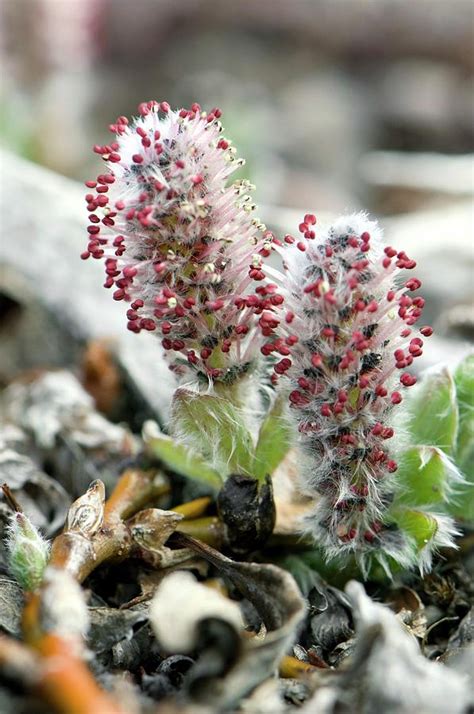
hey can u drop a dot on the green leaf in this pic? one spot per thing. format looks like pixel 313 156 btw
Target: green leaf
pixel 213 427
pixel 426 476
pixel 422 527
pixel 309 568
pixel 464 380
pixel 274 440
pixel 463 506
pixel 178 457
pixel 434 412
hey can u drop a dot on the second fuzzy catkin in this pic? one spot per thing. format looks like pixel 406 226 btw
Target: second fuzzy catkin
pixel 350 319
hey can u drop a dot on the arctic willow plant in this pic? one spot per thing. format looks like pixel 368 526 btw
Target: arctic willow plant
pixel 353 325
pixel 181 249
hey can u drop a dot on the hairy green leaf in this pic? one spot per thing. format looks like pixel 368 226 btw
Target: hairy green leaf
pixel 426 476
pixel 434 412
pixel 274 440
pixel 421 526
pixel 179 458
pixel 213 427
pixel 463 506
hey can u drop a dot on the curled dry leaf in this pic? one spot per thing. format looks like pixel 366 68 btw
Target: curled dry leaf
pixel 275 595
pixel 387 672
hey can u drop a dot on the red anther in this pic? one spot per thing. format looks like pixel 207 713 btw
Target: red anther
pixel 342 396
pixel 326 410
pixel 330 297
pixel 387 433
pixel 310 235
pixel 241 329
pixel 298 399
pixel 114 157
pixel 365 237
pixel 222 144
pixel 372 306
pixel 119 295
pixel 191 356
pixel 391 295
pixel 85 255
pixel 302 227
pixel 386 262
pixel 199 178
pixel 399 355
pixel 137 304
pixel 359 306
pixel 316 360
pixel 179 164
pixel 289 239
pixel 303 383
pixel 291 340
pixel 137 158
pixel 289 317
pixel 380 391
pixel 282 366
pixel 215 305
pixel 364 382
pixel 396 398
pixel 102 189
pixel 408 380
pixel 390 252
pixel 328 251
pixel 310 219
pixel 93 230
pixel 205 353
pixel 189 302
pixel 90 184
pixel 426 331
pixel 328 332
pixel 301 246
pixel 413 284
pixel 392 466
pixel 164 107
pixel 377 429
pixel 353 242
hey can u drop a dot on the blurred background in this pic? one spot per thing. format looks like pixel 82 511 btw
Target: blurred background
pixel 335 104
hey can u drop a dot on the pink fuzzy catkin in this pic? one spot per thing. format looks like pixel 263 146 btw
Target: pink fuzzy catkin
pixel 179 243
pixel 351 325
